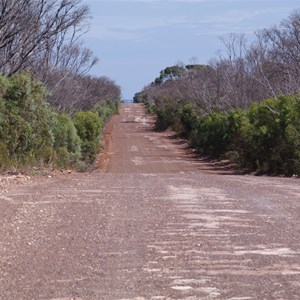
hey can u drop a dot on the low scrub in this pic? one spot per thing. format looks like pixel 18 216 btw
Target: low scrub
pixel 32 133
pixel 88 125
pixel 265 137
pixel 26 121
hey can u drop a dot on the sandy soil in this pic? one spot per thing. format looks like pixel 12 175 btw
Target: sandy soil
pixel 153 222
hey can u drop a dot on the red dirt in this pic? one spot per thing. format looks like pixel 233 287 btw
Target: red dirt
pixel 156 223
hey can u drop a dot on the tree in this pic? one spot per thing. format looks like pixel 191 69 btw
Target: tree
pixel 32 31
pixel 170 73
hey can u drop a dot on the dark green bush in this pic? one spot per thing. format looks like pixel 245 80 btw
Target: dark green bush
pixel 88 125
pixel 66 137
pixel 189 118
pixel 265 137
pixel 168 114
pixel 214 134
pixel 163 120
pixel 33 134
pixel 62 157
pixel 25 119
pixel 143 98
pixel 265 144
pixel 103 111
pixel 4 156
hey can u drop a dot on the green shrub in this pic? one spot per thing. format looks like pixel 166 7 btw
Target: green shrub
pixel 189 117
pixel 163 120
pixel 103 111
pixel 88 125
pixel 269 149
pixel 240 131
pixel 114 106
pixel 106 109
pixel 214 135
pixel 290 110
pixel 46 157
pixel 62 157
pixel 4 156
pixel 33 134
pixel 25 119
pixel 168 114
pixel 265 137
pixel 66 137
pixel 4 85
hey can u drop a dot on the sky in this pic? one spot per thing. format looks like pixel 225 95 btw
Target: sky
pixel 136 39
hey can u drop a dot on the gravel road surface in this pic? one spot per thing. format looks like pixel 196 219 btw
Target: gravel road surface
pixel 153 223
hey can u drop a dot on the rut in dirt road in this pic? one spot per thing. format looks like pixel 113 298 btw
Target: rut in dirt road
pixel 155 224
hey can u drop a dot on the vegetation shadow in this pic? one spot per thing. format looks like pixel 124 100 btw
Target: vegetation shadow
pixel 205 163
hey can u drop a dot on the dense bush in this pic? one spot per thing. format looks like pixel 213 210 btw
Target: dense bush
pixel 88 125
pixel 33 134
pixel 106 108
pixel 167 114
pixel 265 137
pixel 67 143
pixel 143 98
pixel 271 140
pixel 214 134
pixel 26 121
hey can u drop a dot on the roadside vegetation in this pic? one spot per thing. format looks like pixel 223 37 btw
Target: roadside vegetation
pixel 244 106
pixel 51 112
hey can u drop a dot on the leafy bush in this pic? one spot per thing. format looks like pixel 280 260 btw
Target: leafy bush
pixel 25 119
pixel 103 111
pixel 33 134
pixel 214 134
pixel 4 156
pixel 189 117
pixel 62 157
pixel 265 137
pixel 66 137
pixel 168 114
pixel 291 106
pixel 88 125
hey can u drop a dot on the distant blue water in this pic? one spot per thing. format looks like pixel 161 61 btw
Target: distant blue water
pixel 127 101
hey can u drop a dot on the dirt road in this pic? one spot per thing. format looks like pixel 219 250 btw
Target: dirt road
pixel 154 224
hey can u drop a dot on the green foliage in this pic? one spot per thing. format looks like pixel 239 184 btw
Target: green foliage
pixel 106 109
pixel 114 106
pixel 170 73
pixel 66 138
pixel 139 97
pixel 62 157
pixel 167 111
pixel 143 98
pixel 4 156
pixel 33 134
pixel 25 119
pixel 163 120
pixel 265 137
pixel 4 86
pixel 88 125
pixel 292 135
pixel 214 134
pixel 189 117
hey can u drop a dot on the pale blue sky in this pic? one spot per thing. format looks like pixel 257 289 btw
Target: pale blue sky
pixel 135 39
